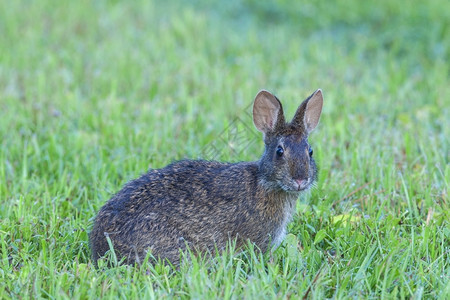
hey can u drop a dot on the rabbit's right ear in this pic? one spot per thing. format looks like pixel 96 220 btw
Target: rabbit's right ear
pixel 267 112
pixel 308 113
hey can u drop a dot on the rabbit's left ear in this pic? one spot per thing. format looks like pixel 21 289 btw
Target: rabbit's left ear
pixel 308 113
pixel 267 112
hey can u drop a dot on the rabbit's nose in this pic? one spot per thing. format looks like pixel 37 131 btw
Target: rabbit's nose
pixel 302 183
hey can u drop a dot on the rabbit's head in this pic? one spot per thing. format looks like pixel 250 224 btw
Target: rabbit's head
pixel 287 163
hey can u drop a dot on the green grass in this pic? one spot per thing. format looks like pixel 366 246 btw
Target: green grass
pixel 93 93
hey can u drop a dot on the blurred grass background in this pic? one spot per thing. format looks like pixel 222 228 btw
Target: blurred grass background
pixel 93 93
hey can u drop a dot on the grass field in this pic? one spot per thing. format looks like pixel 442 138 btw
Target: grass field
pixel 93 93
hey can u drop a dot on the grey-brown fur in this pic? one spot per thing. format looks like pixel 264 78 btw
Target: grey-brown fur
pixel 205 204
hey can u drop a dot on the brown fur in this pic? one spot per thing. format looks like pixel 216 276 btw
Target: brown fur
pixel 204 204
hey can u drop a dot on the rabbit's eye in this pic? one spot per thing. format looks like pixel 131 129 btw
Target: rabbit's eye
pixel 280 151
pixel 310 150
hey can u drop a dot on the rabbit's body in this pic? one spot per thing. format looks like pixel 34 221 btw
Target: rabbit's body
pixel 205 204
pixel 199 203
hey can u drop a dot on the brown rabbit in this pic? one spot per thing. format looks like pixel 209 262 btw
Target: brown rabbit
pixel 204 204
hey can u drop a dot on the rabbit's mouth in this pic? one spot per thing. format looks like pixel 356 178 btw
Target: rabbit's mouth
pixel 301 184
pixel 289 185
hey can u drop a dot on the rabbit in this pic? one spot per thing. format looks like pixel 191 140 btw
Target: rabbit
pixel 201 205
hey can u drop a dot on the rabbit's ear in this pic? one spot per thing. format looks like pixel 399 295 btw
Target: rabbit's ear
pixel 267 112
pixel 308 113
